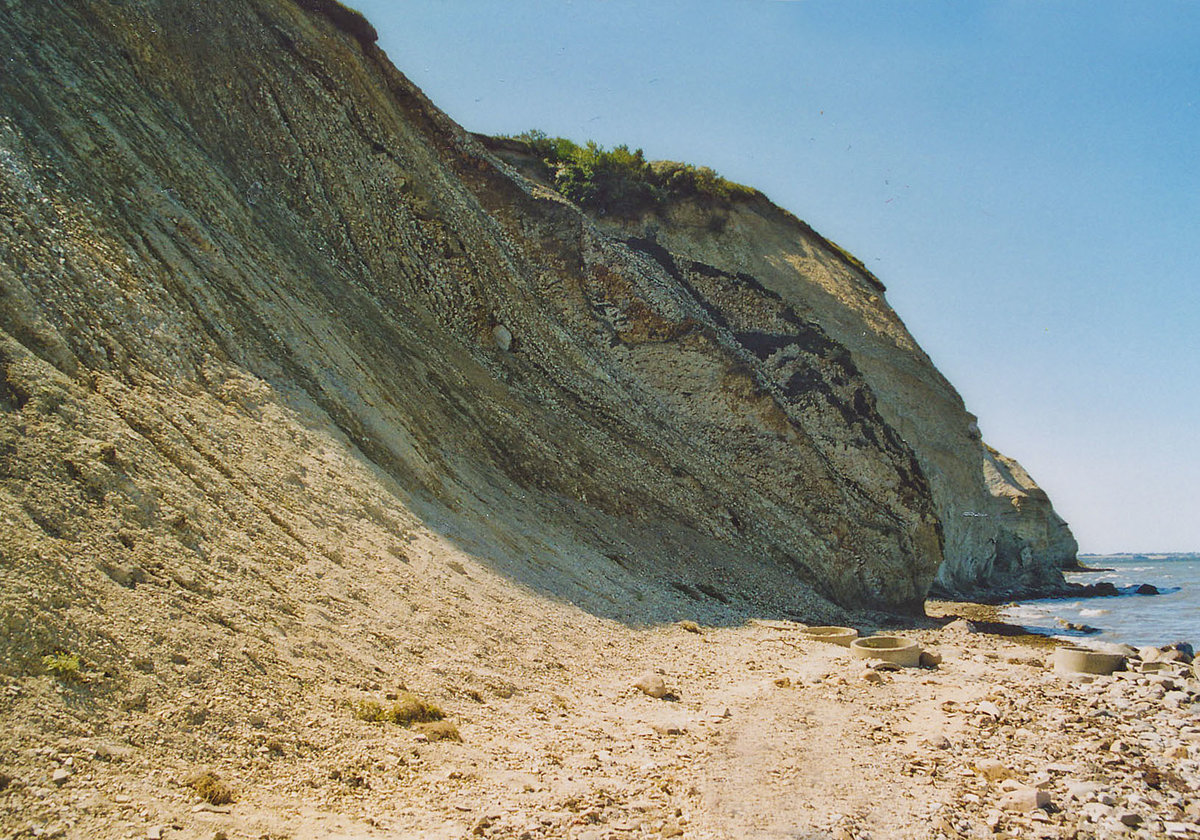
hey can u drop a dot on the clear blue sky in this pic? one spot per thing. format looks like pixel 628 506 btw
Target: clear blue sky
pixel 1024 177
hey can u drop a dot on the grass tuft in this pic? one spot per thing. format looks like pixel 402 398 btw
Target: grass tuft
pixel 210 788
pixel 439 730
pixel 63 666
pixel 405 711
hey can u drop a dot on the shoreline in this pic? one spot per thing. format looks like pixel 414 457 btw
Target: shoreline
pixel 990 618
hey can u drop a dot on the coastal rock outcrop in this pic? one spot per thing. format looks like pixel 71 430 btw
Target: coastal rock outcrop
pixel 1002 536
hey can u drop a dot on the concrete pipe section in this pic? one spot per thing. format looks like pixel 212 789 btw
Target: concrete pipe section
pixel 894 649
pixel 1080 660
pixel 837 635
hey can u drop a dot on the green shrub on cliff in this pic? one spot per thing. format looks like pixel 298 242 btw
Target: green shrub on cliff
pixel 682 180
pixel 621 182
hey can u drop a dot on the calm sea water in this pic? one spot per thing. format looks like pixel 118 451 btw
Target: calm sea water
pixel 1172 616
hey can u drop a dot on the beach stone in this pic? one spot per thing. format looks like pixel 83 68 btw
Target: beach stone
pixel 60 776
pixel 940 742
pixel 871 675
pixel 651 684
pixel 1183 647
pixel 1146 589
pixel 1025 799
pixel 502 336
pixel 930 659
pixel 987 707
pixel 1129 818
pixel 960 625
pixel 1096 811
pixel 1148 654
pixel 1082 791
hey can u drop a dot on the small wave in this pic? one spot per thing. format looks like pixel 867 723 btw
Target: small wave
pixel 1026 612
pixel 1169 590
pixel 1091 613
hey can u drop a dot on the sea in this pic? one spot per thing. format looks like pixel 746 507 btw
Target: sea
pixel 1171 616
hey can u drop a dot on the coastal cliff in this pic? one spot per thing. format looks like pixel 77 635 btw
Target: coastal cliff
pixel 1002 537
pixel 222 255
pixel 263 301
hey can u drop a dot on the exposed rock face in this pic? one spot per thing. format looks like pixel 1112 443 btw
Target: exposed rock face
pixel 265 310
pixel 1002 536
pixel 1045 540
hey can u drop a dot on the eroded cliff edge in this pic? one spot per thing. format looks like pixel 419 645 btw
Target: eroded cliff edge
pixel 1002 536
pixel 267 311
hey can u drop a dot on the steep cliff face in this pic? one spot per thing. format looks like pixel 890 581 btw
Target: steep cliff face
pixel 1002 536
pixel 267 313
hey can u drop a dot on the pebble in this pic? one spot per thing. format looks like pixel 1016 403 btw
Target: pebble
pixel 651 684
pixel 1082 791
pixel 502 336
pixel 1130 819
pixel 1025 799
pixel 987 707
pixel 938 742
pixel 60 776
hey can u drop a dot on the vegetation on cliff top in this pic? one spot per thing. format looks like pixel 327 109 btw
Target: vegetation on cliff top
pixel 620 182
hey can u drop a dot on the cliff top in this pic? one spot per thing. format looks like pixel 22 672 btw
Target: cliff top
pixel 619 183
